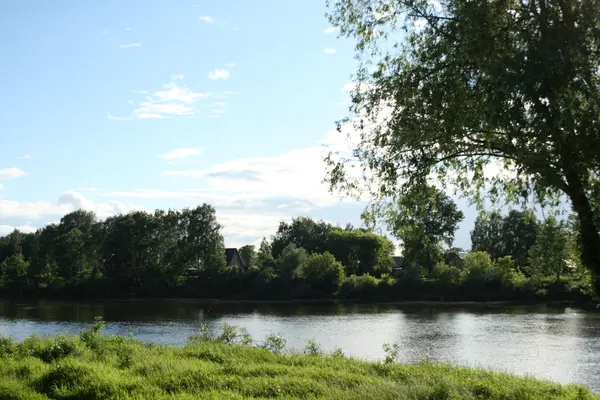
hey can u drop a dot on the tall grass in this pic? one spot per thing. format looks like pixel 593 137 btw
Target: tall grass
pixel 231 365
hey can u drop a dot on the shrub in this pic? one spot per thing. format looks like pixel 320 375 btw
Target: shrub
pixel 360 287
pixel 446 274
pixel 479 267
pixel 322 273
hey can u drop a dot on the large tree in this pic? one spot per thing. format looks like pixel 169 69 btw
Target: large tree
pixel 471 85
pixel 424 219
pixel 487 234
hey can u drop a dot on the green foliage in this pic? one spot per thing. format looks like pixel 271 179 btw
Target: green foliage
pixel 391 352
pixel 361 252
pixel 122 368
pixel 479 266
pixel 424 218
pixel 290 260
pixel 487 235
pixel 13 271
pixel 478 95
pixel 447 275
pixel 549 254
pixel 302 232
pixel 322 273
pixel 363 286
pixel 274 343
pixel 248 254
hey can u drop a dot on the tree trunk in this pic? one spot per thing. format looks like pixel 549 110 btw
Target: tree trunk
pixel 590 237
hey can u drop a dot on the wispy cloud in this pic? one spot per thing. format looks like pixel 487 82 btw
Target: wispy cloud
pixel 180 154
pixel 332 29
pixel 26 157
pixel 210 20
pixel 128 30
pixel 219 74
pixel 130 45
pixel 11 173
pixel 329 51
pixel 174 100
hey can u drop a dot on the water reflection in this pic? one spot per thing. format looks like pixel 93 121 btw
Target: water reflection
pixel 560 344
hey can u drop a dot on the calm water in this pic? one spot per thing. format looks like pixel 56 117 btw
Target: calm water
pixel 555 343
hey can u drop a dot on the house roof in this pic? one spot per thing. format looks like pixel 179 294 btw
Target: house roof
pixel 230 253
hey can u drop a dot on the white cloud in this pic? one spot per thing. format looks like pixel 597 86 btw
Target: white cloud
pixel 332 29
pixel 11 173
pixel 149 116
pixel 130 45
pixel 207 19
pixel 128 30
pixel 173 100
pixel 6 229
pixel 26 157
pixel 330 51
pixel 219 74
pixel 179 154
pixel 67 202
pixel 1 186
pixel 230 65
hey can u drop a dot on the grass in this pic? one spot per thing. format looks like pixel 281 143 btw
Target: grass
pixel 231 366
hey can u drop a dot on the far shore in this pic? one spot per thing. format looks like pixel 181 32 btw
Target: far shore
pixel 324 301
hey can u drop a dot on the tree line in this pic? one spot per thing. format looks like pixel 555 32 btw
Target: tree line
pixel 182 254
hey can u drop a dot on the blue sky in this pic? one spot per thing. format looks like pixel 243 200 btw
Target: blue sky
pixel 113 106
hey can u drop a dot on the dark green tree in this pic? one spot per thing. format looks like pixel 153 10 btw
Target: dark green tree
pixel 248 254
pixel 549 255
pixel 303 232
pixel 487 235
pixel 424 219
pixel 519 232
pixel 322 272
pixel 496 97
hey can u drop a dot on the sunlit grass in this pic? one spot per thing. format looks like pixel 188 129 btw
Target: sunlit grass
pixel 231 366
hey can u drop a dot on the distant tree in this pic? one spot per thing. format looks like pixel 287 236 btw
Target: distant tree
pixel 248 254
pixel 303 232
pixel 322 272
pixel 264 256
pixel 424 219
pixel 290 259
pixel 487 235
pixel 360 252
pixel 549 255
pixel 519 232
pixel 13 272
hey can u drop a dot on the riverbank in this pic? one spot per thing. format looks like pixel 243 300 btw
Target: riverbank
pixel 94 366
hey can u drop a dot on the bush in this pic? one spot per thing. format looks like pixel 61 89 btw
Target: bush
pixel 322 273
pixel 447 275
pixel 479 267
pixel 360 287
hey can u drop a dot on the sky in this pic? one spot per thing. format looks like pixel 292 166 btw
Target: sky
pixel 113 106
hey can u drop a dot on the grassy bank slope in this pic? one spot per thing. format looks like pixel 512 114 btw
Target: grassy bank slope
pixel 91 366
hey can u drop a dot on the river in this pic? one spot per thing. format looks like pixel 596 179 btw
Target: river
pixel 561 344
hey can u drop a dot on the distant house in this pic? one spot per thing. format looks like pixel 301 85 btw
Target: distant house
pixel 398 265
pixel 233 258
pixel 456 259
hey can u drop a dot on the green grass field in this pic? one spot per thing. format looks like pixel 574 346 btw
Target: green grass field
pixel 94 366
